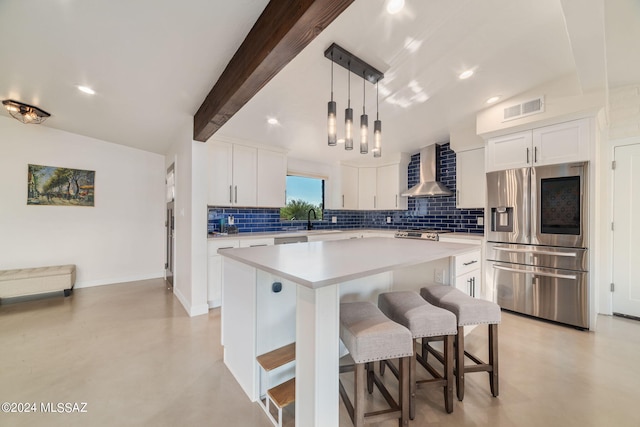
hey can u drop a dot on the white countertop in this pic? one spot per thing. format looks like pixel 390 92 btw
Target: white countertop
pixel 318 264
pixel 288 233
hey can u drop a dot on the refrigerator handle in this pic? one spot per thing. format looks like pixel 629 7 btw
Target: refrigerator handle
pixel 565 254
pixel 537 273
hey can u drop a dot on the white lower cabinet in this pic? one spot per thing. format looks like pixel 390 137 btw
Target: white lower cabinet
pixel 466 273
pixel 214 270
pixel 214 264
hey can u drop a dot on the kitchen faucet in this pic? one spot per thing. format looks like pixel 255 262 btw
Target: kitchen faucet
pixel 309 225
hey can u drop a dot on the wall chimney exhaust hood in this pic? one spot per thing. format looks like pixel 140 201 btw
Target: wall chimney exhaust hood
pixel 429 184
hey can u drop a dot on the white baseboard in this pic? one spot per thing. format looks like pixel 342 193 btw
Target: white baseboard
pixel 192 311
pixel 215 303
pixel 114 280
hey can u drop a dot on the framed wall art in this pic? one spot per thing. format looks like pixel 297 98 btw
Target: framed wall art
pixel 50 185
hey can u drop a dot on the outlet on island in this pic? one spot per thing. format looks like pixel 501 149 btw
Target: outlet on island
pixel 440 276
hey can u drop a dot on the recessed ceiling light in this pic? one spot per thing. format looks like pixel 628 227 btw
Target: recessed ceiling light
pixel 492 99
pixel 86 89
pixel 272 121
pixel 394 6
pixel 465 74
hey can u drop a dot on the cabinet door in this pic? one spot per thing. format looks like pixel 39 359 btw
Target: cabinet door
pixel 245 164
pixel 367 185
pixel 214 271
pixel 561 143
pixel 219 173
pixel 271 179
pixel 509 151
pixel 388 188
pixel 349 187
pixel 470 283
pixel 470 179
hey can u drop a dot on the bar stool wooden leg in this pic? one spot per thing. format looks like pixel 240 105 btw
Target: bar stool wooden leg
pixel 404 395
pixel 460 363
pixel 448 374
pixel 359 398
pixel 493 359
pixel 412 382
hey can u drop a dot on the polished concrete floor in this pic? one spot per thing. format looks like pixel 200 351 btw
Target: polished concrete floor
pixel 130 352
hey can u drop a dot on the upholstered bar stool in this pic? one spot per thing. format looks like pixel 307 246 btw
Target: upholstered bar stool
pixel 370 336
pixel 469 311
pixel 424 320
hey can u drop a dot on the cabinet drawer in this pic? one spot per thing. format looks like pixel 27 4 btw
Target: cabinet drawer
pixel 467 262
pixel 213 246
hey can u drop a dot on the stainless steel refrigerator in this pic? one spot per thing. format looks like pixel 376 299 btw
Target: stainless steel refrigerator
pixel 537 251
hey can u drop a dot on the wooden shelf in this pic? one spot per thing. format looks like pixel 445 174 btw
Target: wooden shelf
pixel 278 357
pixel 283 394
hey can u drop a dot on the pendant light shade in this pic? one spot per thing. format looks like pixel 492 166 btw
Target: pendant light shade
pixel 364 123
pixel 331 115
pixel 348 117
pixel 377 131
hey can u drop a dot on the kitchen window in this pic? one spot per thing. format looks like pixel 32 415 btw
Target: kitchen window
pixel 303 193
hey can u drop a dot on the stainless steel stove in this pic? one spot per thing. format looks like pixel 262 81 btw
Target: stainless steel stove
pixel 424 234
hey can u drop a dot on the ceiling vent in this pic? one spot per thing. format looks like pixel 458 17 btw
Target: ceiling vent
pixel 527 108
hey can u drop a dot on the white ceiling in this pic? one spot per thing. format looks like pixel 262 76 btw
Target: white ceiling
pixel 152 62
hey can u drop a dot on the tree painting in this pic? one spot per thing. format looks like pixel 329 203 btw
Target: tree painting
pixel 48 185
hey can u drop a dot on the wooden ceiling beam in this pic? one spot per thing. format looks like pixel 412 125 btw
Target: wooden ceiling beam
pixel 281 32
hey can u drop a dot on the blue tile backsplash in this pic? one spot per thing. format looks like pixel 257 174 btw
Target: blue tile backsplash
pixel 425 212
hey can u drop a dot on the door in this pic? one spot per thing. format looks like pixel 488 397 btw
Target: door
pixel 170 225
pixel 626 234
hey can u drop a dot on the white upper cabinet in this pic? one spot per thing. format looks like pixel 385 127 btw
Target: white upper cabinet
pixel 561 143
pixel 470 179
pixel 391 181
pixel 245 176
pixel 245 165
pixel 220 173
pixel 349 188
pixel 509 151
pixel 272 179
pixel 367 185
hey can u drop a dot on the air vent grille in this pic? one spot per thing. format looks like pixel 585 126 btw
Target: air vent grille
pixel 527 108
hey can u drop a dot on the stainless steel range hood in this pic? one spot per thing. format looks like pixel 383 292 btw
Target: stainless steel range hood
pixel 429 184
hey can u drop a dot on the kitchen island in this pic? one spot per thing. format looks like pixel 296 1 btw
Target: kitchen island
pixel 275 295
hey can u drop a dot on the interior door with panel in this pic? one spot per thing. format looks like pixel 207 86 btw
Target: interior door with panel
pixel 626 230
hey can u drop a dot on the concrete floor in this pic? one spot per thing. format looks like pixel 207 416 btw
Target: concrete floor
pixel 130 352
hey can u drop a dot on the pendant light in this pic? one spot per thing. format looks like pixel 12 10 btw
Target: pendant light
pixel 348 116
pixel 364 121
pixel 377 130
pixel 331 119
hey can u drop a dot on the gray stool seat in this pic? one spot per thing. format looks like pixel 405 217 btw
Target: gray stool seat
pixel 370 336
pixel 414 313
pixel 469 311
pixel 424 321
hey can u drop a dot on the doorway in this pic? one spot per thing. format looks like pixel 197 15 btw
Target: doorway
pixel 170 228
pixel 626 230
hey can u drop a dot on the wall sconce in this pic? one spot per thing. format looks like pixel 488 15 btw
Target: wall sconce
pixel 355 65
pixel 24 112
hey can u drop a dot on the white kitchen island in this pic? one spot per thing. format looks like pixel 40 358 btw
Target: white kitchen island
pixel 315 277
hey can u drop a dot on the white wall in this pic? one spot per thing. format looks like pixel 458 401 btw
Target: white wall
pixel 190 270
pixel 120 239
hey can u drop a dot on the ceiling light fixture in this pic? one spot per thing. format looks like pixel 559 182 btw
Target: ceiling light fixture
pixel 86 89
pixel 353 64
pixel 24 112
pixel 364 121
pixel 394 6
pixel 465 74
pixel 492 99
pixel 273 121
